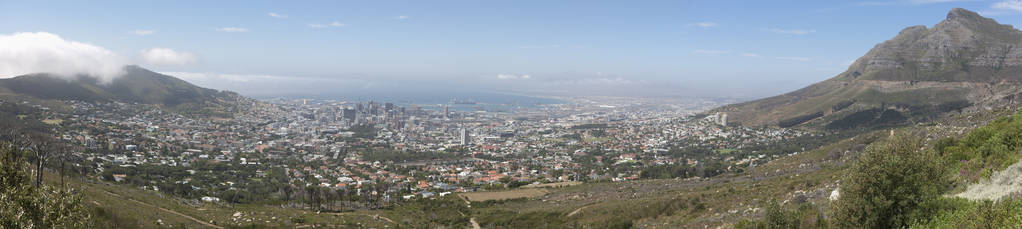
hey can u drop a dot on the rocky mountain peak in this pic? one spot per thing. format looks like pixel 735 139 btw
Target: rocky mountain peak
pixel 963 47
pixel 959 14
pixel 922 72
pixel 965 24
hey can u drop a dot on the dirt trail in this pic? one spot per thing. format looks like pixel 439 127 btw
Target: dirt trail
pixel 475 225
pixel 167 210
pixel 576 211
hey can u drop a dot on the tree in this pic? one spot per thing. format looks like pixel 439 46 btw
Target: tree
pixel 778 217
pixel 887 185
pixel 25 206
pixel 41 145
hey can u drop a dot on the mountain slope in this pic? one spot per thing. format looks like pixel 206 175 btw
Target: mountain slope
pixel 137 85
pixel 921 73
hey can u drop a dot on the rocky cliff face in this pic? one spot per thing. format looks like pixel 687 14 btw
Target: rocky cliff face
pixel 963 47
pixel 921 73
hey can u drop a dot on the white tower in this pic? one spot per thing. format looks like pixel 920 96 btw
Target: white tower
pixel 464 137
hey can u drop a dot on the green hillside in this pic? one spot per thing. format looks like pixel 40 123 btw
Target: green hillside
pixel 137 85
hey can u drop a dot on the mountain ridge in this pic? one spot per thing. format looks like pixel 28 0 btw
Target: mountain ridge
pixel 921 73
pixel 136 85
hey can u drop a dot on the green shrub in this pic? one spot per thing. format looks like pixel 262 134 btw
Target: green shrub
pixel 986 149
pixel 888 184
pixel 976 214
pixel 25 206
pixel 777 217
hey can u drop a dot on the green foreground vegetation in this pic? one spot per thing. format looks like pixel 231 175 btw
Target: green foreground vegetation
pixel 903 182
pixel 28 206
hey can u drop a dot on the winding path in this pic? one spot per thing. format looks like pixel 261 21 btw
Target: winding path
pixel 167 210
pixel 475 225
pixel 576 211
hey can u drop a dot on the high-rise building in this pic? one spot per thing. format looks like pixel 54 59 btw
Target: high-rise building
pixel 348 114
pixel 464 137
pixel 447 112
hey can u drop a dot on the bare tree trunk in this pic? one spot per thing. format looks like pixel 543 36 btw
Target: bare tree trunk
pixel 39 172
pixel 61 172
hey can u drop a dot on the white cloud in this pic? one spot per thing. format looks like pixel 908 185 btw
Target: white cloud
pixel 512 77
pixel 790 31
pixel 703 24
pixel 142 32
pixel 24 53
pixel 539 46
pixel 332 24
pixel 793 58
pixel 276 15
pixel 232 29
pixel 746 54
pixel 402 17
pixel 1015 5
pixel 165 56
pixel 710 52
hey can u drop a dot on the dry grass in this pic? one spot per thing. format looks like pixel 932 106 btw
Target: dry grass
pixel 553 185
pixel 505 195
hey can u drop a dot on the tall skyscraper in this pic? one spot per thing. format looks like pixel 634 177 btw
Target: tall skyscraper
pixel 447 112
pixel 464 137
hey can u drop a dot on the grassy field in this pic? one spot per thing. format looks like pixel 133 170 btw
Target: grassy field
pixel 119 206
pixel 553 185
pixel 504 195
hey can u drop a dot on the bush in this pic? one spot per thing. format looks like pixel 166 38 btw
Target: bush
pixel 509 219
pixel 806 216
pixel 889 183
pixel 777 217
pixel 986 149
pixel 25 206
pixel 975 214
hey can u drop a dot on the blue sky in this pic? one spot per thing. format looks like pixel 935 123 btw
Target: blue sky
pixel 652 48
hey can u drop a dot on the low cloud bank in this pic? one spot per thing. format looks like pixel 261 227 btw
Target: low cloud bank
pixel 25 53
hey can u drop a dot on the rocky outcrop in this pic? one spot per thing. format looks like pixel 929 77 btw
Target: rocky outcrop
pixel 964 59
